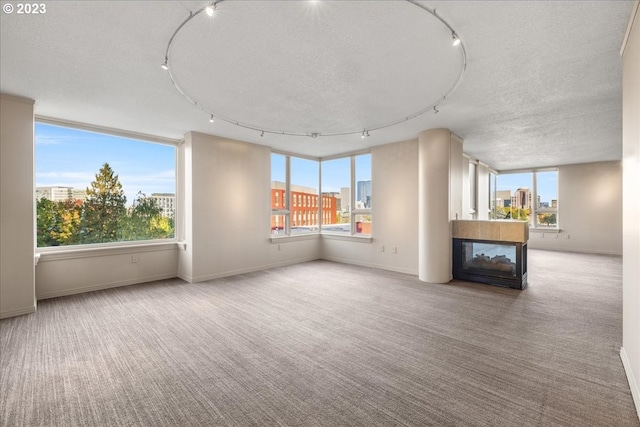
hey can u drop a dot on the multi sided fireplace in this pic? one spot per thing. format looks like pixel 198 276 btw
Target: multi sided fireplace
pixel 490 252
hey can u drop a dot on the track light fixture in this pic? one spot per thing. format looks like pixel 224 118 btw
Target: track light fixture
pixel 432 105
pixel 456 39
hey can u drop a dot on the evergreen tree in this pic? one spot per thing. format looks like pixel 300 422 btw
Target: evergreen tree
pixel 104 208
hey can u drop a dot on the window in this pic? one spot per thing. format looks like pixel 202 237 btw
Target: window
pixel 96 188
pixel 346 195
pixel 531 196
pixel 294 195
pixel 473 200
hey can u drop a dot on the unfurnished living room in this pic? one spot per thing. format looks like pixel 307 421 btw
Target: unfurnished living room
pixel 320 213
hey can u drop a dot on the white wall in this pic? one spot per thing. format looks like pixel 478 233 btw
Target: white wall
pixel 17 289
pixel 394 212
pixel 630 352
pixel 227 198
pixel 589 210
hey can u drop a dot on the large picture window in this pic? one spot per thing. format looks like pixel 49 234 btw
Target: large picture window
pixel 94 188
pixel 529 196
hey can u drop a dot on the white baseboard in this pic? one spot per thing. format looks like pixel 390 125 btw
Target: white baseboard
pixel 101 286
pixel 635 390
pixel 372 265
pixel 19 312
pixel 249 269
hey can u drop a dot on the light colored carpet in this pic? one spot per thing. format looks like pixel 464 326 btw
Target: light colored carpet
pixel 326 344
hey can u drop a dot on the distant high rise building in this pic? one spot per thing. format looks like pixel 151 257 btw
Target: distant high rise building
pixel 59 193
pixel 364 194
pixel 345 199
pixel 554 203
pixel 522 198
pixel 166 202
pixel 503 198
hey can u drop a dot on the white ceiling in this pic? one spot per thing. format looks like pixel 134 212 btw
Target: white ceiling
pixel 542 85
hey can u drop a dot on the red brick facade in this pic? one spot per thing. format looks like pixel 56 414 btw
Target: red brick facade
pixel 304 209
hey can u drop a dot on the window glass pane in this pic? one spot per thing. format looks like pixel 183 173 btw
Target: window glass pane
pixel 336 195
pixel 514 196
pixel 547 188
pixel 99 188
pixel 492 195
pixel 472 186
pixel 363 181
pixel 304 194
pixel 547 204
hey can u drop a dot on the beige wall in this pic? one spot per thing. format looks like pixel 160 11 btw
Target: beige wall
pixel 630 352
pixel 394 212
pixel 227 199
pixel 17 288
pixel 589 211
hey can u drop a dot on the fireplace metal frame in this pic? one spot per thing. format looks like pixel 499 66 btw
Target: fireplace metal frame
pixel 486 276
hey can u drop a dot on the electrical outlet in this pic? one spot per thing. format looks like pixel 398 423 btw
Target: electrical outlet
pixel 394 249
pixel 279 248
pixel 381 248
pixel 542 235
pixel 555 236
pixel 134 259
pixel 567 236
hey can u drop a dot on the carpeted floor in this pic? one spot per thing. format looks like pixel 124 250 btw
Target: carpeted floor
pixel 326 344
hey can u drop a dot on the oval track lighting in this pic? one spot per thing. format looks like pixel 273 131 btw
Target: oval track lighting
pixel 456 39
pixel 211 119
pixel 164 65
pixel 210 9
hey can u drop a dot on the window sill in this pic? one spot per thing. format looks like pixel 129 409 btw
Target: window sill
pixel 281 239
pixel 345 237
pixel 348 237
pixel 545 230
pixel 76 252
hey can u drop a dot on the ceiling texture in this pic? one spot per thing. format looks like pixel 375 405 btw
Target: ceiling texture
pixel 541 87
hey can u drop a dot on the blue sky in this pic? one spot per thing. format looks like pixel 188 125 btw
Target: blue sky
pixel 71 158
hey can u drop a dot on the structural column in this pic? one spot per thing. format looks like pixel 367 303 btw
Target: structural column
pixel 439 193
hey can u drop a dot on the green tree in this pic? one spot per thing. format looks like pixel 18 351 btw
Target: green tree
pixel 145 221
pixel 104 208
pixel 58 223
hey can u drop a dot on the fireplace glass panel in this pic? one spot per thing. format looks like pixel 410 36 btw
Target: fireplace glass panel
pixel 489 258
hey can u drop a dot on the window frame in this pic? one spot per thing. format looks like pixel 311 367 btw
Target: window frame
pixel 87 249
pixel 535 210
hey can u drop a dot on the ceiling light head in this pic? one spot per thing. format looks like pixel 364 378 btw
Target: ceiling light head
pixel 315 135
pixel 210 9
pixel 435 110
pixel 262 134
pixel 456 39
pixel 211 120
pixel 365 134
pixel 165 65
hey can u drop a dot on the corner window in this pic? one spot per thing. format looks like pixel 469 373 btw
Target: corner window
pixel 94 188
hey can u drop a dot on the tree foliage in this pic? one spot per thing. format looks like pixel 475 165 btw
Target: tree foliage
pixel 102 217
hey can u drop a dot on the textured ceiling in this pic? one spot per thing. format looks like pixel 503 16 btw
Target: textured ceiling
pixel 542 85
